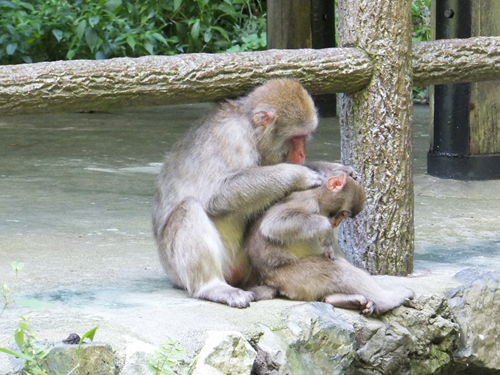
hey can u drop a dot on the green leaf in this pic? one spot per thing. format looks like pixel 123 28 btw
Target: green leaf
pixel 159 38
pixel 177 4
pixel 131 41
pixel 11 48
pixel 148 46
pixel 111 5
pixel 43 354
pixel 7 4
pixel 222 31
pixel 71 53
pixel 19 337
pixel 27 6
pixel 17 266
pixel 195 30
pixel 90 334
pixel 33 303
pixel 23 324
pixel 16 354
pixel 80 30
pixel 92 38
pixel 94 20
pixel 208 35
pixel 58 34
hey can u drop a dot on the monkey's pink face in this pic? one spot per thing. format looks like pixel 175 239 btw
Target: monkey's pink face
pixel 297 152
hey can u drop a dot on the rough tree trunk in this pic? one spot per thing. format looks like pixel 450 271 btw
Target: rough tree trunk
pixel 82 85
pixel 456 60
pixel 376 126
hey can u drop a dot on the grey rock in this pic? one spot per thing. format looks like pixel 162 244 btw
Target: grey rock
pixel 95 359
pixel 316 340
pixel 225 352
pixel 475 306
pixel 136 356
pixel 415 339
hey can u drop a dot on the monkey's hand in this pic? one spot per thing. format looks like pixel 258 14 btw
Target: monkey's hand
pixel 350 171
pixel 313 178
pixel 329 169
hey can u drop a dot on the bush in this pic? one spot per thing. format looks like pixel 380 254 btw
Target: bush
pixel 49 30
pixel 421 30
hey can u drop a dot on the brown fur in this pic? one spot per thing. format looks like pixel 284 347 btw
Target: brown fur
pixel 225 170
pixel 286 248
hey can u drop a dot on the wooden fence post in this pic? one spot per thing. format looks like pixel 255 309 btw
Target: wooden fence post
pixel 376 126
pixel 485 96
pixel 303 24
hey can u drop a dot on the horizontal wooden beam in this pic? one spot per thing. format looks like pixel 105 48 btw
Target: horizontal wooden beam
pixel 84 85
pixel 456 60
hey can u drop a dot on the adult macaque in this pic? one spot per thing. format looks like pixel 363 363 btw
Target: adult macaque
pixel 242 157
pixel 291 248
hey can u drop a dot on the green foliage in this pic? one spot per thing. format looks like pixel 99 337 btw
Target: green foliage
pixel 169 356
pixel 8 292
pixel 421 32
pixel 49 30
pixel 34 353
pixel 30 351
pixel 421 20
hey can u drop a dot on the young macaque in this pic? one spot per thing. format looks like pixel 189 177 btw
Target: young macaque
pixel 294 253
pixel 242 157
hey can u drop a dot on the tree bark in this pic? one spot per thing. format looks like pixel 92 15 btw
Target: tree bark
pixel 84 85
pixel 376 127
pixel 456 60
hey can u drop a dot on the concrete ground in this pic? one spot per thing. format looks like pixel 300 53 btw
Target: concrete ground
pixel 75 203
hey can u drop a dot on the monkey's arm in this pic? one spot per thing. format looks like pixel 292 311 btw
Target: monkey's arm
pixel 329 169
pixel 254 189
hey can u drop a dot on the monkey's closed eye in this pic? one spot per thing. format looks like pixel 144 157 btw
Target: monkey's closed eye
pixel 335 220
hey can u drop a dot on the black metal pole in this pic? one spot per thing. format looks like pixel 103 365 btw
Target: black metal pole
pixel 449 155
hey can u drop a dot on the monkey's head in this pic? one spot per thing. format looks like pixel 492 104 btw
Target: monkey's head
pixel 284 116
pixel 341 197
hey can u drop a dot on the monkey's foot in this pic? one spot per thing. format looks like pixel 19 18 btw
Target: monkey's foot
pixel 351 301
pixel 263 292
pixel 392 299
pixel 219 291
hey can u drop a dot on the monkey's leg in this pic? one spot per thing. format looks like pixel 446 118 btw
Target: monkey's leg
pixel 193 256
pixel 350 301
pixel 355 281
pixel 316 277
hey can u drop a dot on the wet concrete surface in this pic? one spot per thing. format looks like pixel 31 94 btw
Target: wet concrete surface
pixel 75 205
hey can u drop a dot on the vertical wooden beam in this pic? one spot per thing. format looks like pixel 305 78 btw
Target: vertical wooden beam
pixel 323 36
pixel 376 126
pixel 303 24
pixel 485 96
pixel 289 24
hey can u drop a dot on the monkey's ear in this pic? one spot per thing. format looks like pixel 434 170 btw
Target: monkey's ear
pixel 336 183
pixel 263 118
